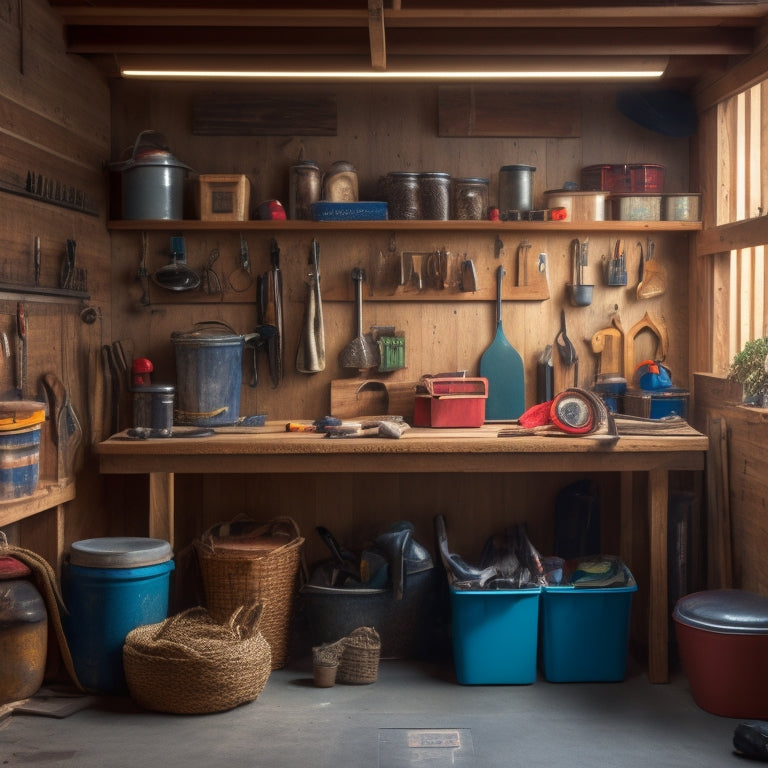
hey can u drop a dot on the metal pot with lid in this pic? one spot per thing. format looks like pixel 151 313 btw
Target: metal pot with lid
pixel 152 180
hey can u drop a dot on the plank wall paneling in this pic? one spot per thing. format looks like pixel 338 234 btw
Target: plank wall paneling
pixel 55 122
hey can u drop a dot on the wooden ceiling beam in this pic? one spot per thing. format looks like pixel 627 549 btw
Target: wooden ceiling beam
pixel 542 15
pixel 409 42
pixel 377 35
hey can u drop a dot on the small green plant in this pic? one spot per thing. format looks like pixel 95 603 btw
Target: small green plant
pixel 748 367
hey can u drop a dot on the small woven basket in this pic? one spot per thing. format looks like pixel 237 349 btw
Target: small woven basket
pixel 191 664
pixel 359 662
pixel 244 561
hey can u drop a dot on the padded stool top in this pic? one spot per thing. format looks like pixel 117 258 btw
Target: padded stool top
pixel 724 610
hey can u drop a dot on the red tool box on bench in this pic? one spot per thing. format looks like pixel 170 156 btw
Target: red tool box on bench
pixel 451 402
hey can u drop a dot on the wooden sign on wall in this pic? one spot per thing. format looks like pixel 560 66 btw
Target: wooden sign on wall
pixel 273 115
pixel 495 112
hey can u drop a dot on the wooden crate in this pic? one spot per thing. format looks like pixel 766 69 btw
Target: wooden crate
pixel 223 197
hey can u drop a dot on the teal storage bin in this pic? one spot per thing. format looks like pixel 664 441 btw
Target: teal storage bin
pixel 585 633
pixel 111 586
pixel 495 635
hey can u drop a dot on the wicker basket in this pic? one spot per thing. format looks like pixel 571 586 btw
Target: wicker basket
pixel 244 561
pixel 191 664
pixel 359 663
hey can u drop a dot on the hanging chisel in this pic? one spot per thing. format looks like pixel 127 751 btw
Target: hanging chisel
pixel 21 349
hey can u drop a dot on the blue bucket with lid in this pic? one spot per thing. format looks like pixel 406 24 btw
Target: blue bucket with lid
pixel 111 586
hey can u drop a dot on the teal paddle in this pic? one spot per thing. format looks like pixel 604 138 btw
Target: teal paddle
pixel 502 365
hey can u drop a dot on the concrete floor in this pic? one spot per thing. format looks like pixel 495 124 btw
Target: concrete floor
pixel 415 714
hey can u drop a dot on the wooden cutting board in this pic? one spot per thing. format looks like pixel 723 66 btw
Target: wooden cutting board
pixel 361 397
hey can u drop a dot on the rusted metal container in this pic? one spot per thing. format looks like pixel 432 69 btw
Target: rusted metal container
pixel 23 632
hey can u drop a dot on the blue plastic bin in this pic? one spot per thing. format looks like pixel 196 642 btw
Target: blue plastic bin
pixel 585 633
pixel 106 603
pixel 495 635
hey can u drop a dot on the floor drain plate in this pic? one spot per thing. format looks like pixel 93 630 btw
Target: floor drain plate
pixel 432 747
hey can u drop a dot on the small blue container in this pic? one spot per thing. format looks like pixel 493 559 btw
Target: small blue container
pixel 495 634
pixel 111 586
pixel 19 462
pixel 351 211
pixel 585 633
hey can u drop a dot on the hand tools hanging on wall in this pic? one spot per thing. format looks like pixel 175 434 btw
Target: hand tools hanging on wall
pixel 310 357
pixel 270 332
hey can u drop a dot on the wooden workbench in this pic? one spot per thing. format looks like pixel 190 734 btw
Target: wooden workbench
pixel 270 449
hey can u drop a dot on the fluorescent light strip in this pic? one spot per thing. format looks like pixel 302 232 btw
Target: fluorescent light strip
pixel 206 74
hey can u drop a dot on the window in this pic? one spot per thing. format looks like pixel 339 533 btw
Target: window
pixel 742 184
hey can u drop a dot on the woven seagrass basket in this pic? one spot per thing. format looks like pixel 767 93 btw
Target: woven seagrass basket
pixel 243 561
pixel 359 662
pixel 191 664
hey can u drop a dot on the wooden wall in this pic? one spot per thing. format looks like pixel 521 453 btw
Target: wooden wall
pixel 55 124
pixel 382 129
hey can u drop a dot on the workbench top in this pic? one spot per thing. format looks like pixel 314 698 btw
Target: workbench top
pixel 271 448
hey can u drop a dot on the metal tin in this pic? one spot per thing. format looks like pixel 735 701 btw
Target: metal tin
pixel 402 191
pixel 304 186
pixel 469 198
pixel 515 188
pixel 153 408
pixel 434 191
pixel 636 207
pixel 579 206
pixel 683 207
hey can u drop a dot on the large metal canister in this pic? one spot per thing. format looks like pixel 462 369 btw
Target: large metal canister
pixel 515 188
pixel 23 632
pixel 208 374
pixel 305 183
pixel 152 180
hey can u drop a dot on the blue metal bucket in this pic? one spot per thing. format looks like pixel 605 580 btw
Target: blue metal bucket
pixel 209 372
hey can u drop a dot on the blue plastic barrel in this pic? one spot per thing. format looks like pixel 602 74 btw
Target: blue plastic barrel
pixel 111 586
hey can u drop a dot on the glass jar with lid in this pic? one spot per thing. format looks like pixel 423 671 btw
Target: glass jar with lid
pixel 469 198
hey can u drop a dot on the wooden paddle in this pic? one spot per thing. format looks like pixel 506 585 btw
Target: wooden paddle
pixel 502 365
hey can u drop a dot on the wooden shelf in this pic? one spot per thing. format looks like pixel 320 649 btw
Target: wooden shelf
pixel 46 496
pixel 193 225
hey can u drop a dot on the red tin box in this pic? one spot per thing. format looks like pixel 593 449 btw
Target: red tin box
pixel 623 178
pixel 451 402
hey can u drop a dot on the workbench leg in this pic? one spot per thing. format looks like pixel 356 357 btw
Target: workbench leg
pixel 658 620
pixel 626 516
pixel 161 506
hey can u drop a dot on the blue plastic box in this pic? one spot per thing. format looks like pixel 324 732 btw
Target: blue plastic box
pixel 352 211
pixel 585 633
pixel 495 634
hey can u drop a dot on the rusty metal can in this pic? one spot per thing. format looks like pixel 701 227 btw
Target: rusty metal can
pixel 469 198
pixel 434 191
pixel 23 632
pixel 402 191
pixel 304 185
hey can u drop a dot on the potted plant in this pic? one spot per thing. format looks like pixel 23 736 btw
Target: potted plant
pixel 748 368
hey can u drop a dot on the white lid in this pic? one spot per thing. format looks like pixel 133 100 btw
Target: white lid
pixel 120 552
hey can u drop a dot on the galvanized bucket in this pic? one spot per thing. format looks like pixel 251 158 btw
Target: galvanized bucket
pixel 208 374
